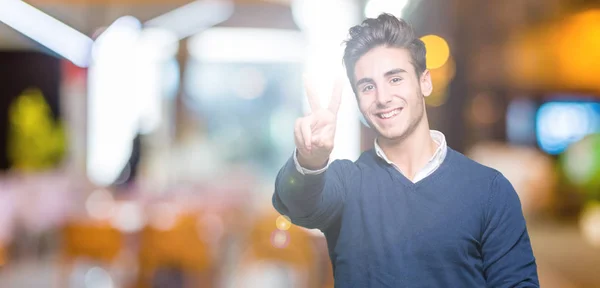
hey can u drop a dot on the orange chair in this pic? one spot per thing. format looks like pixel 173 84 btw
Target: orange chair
pixel 291 246
pixel 95 240
pixel 3 257
pixel 90 240
pixel 180 246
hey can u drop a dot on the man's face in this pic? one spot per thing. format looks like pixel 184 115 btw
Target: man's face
pixel 390 94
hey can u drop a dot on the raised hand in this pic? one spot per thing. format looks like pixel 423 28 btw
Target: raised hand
pixel 314 134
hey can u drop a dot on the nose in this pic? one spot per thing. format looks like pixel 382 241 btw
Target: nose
pixel 383 97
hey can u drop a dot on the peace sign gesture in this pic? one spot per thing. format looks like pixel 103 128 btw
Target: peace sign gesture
pixel 314 134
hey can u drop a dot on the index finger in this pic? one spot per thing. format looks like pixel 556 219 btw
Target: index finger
pixel 313 100
pixel 336 97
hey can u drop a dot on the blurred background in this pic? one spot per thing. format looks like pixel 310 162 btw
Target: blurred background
pixel 140 140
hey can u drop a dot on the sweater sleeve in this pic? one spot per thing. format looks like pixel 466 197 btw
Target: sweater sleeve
pixel 508 259
pixel 311 200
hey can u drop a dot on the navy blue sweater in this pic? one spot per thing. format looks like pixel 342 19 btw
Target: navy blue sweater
pixel 462 226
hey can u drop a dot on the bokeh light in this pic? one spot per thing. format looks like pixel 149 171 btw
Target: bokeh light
pixel 438 51
pixel 163 216
pixel 441 78
pixel 581 164
pixel 544 56
pixel 98 278
pixel 280 239
pixel 579 69
pixel 589 223
pixel 128 217
pixel 560 124
pixel 483 110
pixel 283 222
pixel 100 204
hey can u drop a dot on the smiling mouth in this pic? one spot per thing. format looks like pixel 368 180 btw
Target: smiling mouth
pixel 390 114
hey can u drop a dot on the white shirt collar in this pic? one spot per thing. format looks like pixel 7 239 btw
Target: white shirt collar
pixel 434 162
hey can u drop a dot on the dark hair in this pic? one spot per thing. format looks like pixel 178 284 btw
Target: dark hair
pixel 385 30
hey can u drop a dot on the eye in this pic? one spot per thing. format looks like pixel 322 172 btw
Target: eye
pixel 367 88
pixel 396 80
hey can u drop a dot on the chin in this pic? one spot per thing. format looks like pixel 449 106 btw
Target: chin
pixel 392 134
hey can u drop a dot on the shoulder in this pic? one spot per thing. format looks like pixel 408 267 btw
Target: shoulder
pixel 353 170
pixel 345 168
pixel 471 169
pixel 487 183
pixel 366 159
pixel 494 192
pixel 497 189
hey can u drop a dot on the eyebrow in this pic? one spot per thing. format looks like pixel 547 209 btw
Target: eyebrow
pixel 386 74
pixel 364 80
pixel 394 72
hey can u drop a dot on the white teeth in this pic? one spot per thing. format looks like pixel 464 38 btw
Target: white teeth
pixel 389 114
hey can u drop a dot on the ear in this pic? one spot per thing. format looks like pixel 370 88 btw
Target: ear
pixel 426 84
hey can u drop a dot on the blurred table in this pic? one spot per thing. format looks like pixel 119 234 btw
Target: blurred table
pixel 564 259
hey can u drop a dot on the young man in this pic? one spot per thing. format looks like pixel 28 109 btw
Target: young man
pixel 411 212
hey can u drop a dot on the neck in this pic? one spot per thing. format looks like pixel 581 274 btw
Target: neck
pixel 411 153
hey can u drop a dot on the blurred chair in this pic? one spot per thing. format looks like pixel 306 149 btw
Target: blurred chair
pixel 3 256
pixel 93 241
pixel 269 250
pixel 176 256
